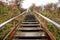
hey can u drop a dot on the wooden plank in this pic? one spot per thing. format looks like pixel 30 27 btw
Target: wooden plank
pixel 30 28
pixel 30 24
pixel 30 34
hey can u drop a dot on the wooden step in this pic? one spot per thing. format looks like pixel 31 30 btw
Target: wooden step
pixel 29 34
pixel 30 21
pixel 29 39
pixel 30 24
pixel 30 28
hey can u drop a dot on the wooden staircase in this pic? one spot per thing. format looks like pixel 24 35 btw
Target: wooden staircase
pixel 30 30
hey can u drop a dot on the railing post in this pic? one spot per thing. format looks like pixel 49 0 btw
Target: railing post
pixel 45 23
pixel 19 20
pixel 40 20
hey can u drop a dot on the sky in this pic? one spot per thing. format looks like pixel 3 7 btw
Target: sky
pixel 28 3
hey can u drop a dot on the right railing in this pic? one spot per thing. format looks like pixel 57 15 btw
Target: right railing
pixel 50 25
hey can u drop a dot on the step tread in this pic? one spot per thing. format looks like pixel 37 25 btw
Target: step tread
pixel 30 24
pixel 30 39
pixel 29 34
pixel 30 28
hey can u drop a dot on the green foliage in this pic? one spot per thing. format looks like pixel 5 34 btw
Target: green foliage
pixel 6 14
pixel 4 31
pixel 4 34
pixel 3 10
pixel 54 31
pixel 55 15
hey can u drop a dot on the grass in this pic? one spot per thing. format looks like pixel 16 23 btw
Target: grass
pixel 53 16
pixel 2 18
pixel 54 31
pixel 5 14
pixel 4 31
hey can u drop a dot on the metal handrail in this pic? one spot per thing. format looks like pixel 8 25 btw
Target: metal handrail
pixel 2 24
pixel 53 22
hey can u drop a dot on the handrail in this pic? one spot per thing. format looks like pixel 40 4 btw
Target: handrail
pixel 2 24
pixel 46 30
pixel 53 22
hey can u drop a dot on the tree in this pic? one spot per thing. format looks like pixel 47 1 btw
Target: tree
pixel 49 7
pixel 18 3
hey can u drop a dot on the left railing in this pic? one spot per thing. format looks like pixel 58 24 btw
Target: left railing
pixel 7 27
